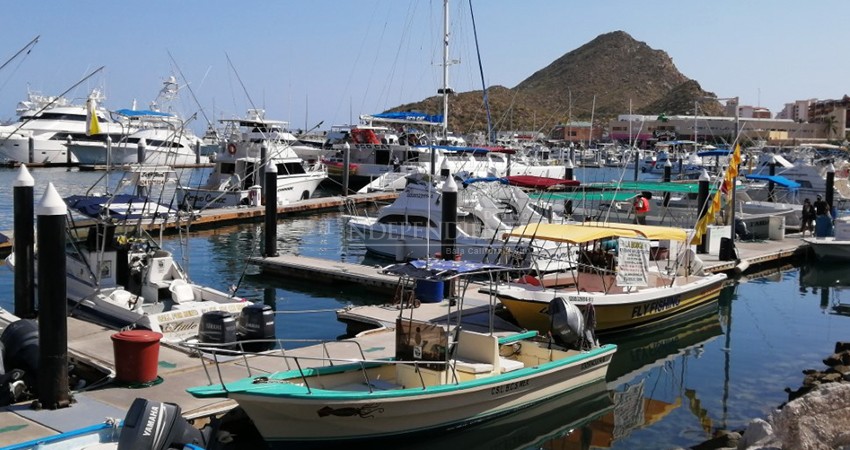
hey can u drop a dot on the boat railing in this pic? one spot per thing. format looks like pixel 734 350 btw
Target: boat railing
pixel 222 354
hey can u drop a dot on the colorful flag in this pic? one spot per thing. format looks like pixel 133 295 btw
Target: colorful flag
pixel 92 125
pixel 730 177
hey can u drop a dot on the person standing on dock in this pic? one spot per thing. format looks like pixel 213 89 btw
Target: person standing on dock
pixel 641 205
pixel 823 220
pixel 808 219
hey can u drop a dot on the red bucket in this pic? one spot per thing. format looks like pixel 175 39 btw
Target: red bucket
pixel 136 355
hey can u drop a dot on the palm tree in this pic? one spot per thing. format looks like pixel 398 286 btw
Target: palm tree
pixel 830 125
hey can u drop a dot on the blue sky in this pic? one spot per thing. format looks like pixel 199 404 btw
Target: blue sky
pixel 321 60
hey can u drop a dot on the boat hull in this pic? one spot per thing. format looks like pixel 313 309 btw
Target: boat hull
pixel 828 248
pixel 614 312
pixel 290 189
pixel 297 415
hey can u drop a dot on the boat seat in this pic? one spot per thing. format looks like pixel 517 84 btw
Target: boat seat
pixel 181 291
pixel 473 367
pixel 509 365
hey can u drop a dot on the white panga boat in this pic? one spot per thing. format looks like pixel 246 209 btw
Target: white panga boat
pixel 442 377
pixel 836 247
pixel 640 285
pixel 237 177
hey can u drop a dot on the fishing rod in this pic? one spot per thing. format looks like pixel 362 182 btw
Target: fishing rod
pixel 195 98
pixel 49 104
pixel 29 45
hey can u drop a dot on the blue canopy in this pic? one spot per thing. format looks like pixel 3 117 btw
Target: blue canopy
pixel 410 116
pixel 121 206
pixel 439 269
pixel 782 181
pixel 714 153
pixel 469 181
pixel 142 113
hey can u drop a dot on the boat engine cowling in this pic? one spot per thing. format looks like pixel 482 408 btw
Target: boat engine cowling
pixel 157 426
pixel 217 327
pixel 21 348
pixel 256 325
pixel 567 322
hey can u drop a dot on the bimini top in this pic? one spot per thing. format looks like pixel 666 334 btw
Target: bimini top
pixel 117 207
pixel 579 234
pixel 405 117
pixel 780 180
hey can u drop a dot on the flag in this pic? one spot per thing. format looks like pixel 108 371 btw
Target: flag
pixel 92 126
pixel 730 177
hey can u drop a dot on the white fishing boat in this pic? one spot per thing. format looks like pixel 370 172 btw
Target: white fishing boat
pixel 442 377
pixel 642 285
pixel 239 170
pixel 119 276
pixel 835 247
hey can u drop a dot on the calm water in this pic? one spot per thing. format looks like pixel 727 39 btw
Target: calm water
pixel 667 389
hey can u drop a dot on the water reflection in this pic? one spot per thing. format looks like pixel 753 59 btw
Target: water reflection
pixel 832 282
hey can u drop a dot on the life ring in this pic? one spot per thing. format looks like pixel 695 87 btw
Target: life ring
pixel 231 148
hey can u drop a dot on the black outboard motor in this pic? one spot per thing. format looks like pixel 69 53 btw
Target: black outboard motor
pixel 21 348
pixel 217 327
pixel 567 323
pixel 158 426
pixel 256 322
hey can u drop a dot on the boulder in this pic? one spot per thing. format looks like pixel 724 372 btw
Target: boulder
pixel 817 420
pixel 758 432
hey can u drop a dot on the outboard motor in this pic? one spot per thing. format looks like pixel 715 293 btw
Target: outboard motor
pixel 21 348
pixel 157 426
pixel 217 327
pixel 567 323
pixel 256 322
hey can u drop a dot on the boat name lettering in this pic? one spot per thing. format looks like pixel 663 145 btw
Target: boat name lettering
pixel 579 298
pixel 594 362
pixel 508 387
pixel 285 189
pixel 656 306
pixel 371 146
pixel 151 421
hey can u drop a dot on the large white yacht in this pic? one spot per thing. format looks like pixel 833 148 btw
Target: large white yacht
pixel 50 122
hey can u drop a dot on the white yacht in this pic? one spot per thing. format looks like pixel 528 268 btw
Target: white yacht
pixel 50 122
pixel 239 170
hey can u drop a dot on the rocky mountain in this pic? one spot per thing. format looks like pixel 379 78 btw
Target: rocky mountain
pixel 600 78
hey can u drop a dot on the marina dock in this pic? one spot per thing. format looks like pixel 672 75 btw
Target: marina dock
pixel 216 217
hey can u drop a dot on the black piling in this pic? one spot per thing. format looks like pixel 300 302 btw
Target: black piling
pixel 31 148
pixel 568 170
pixel 346 163
pixel 24 235
pixel 770 184
pixel 508 169
pixel 68 142
pixel 197 152
pixel 264 154
pixel 448 227
pixel 702 204
pixel 637 162
pixel 668 169
pixel 444 170
pixel 830 188
pixel 53 391
pixel 270 248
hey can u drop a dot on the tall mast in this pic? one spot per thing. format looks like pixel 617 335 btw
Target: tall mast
pixel 446 90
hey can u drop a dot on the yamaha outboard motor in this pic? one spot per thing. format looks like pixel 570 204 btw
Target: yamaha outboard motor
pixel 217 327
pixel 21 348
pixel 256 322
pixel 567 323
pixel 157 426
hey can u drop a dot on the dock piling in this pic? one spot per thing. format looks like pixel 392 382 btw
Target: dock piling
pixel 23 237
pixel 53 391
pixel 702 204
pixel 270 224
pixel 830 188
pixel 448 227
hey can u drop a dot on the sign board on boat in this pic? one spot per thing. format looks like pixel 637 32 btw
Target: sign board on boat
pixel 632 262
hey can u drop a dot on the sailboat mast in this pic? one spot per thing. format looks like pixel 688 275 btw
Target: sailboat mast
pixel 445 90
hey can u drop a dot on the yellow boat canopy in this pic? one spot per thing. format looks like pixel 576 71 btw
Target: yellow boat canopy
pixel 592 231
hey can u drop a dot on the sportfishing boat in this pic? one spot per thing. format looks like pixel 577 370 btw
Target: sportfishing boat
pixel 155 136
pixel 50 122
pixel 442 377
pixel 119 276
pixel 411 226
pixel 626 281
pixel 239 168
pixel 159 139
